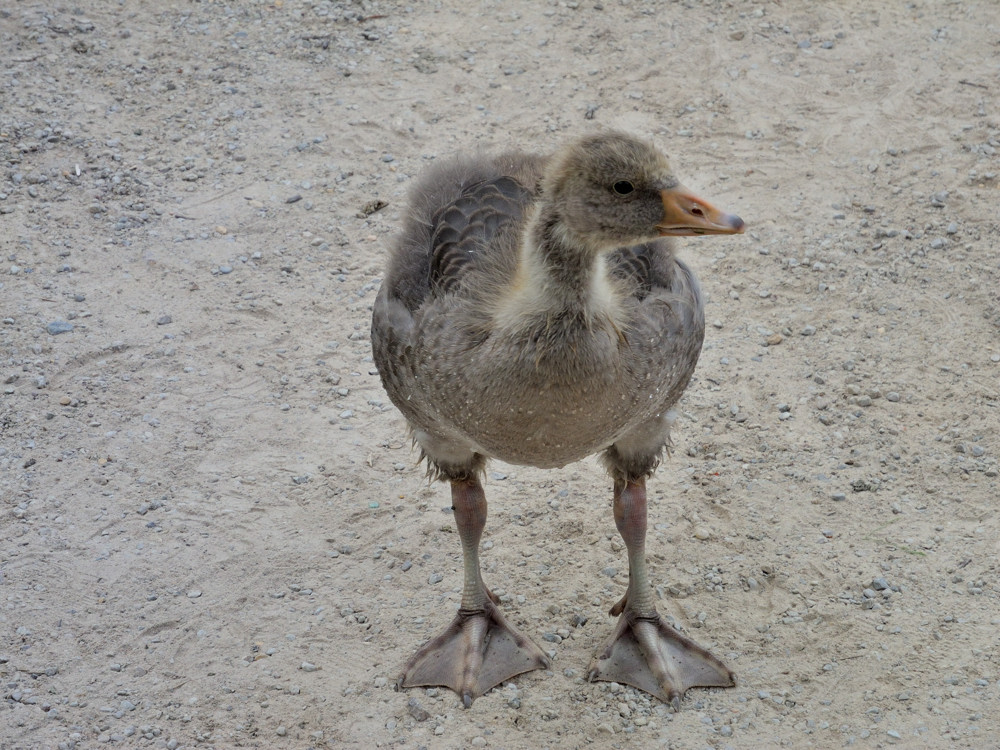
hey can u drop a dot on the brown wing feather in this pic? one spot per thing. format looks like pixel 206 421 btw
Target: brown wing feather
pixel 462 230
pixel 634 265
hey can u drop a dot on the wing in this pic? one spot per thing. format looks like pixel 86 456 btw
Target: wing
pixel 635 266
pixel 463 229
pixel 670 309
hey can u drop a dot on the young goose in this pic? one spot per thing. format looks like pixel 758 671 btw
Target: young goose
pixel 532 311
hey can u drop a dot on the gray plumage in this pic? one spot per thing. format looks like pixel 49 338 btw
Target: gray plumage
pixel 568 381
pixel 534 311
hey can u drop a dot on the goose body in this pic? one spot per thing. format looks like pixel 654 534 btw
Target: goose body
pixel 533 311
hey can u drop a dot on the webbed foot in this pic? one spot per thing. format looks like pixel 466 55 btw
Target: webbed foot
pixel 476 652
pixel 649 654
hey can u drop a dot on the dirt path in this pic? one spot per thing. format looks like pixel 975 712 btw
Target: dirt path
pixel 213 532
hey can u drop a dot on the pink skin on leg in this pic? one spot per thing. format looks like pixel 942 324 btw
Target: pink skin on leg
pixel 644 651
pixel 478 650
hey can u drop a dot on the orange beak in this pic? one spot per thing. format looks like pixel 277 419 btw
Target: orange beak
pixel 686 214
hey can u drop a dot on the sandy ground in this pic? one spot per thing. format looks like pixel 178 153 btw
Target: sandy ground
pixel 213 531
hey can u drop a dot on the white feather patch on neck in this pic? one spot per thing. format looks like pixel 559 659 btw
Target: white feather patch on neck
pixel 535 293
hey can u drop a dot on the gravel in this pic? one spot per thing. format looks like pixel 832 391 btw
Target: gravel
pixel 59 326
pixel 825 513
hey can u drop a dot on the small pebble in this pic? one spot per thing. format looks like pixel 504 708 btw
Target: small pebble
pixel 58 326
pixel 308 666
pixel 418 712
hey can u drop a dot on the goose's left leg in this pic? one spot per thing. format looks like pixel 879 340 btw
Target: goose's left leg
pixel 644 650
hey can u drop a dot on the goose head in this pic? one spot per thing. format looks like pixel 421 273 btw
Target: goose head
pixel 608 190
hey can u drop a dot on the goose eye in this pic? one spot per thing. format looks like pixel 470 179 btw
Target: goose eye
pixel 623 187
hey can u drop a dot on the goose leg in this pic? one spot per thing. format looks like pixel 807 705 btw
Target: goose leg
pixel 644 651
pixel 478 650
